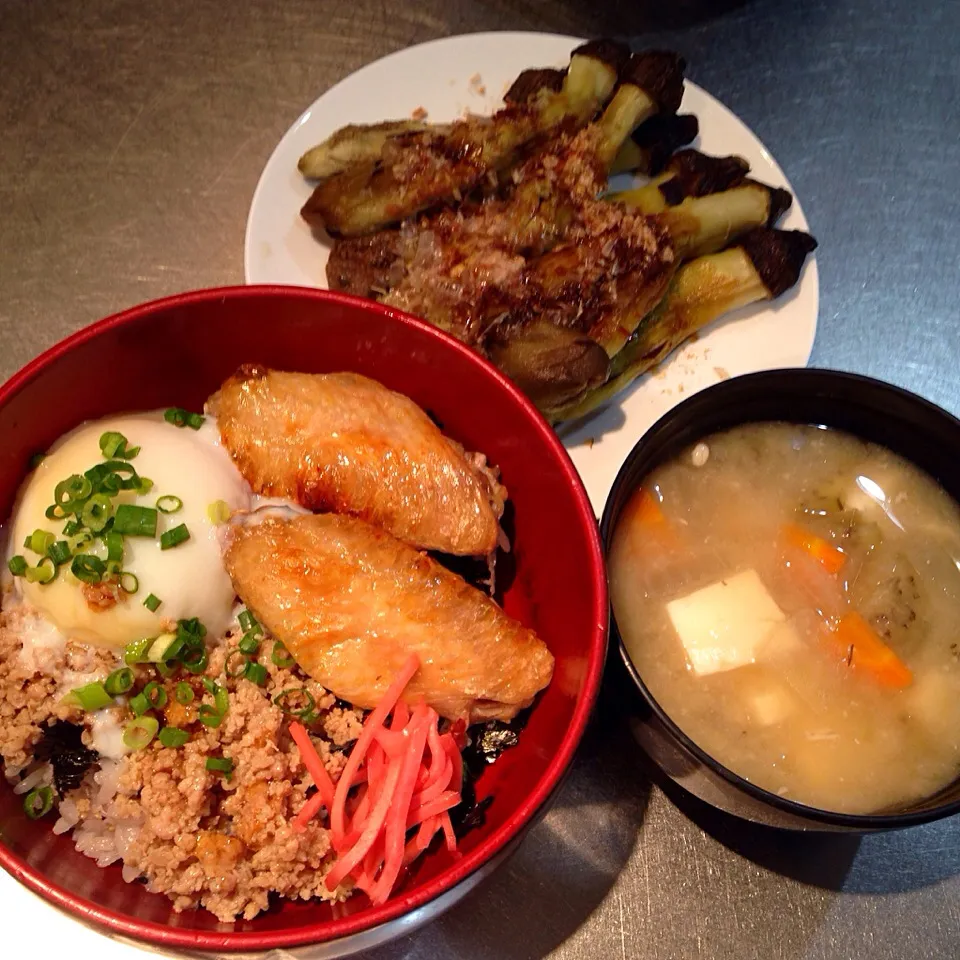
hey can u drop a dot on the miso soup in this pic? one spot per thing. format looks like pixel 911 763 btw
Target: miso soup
pixel 790 596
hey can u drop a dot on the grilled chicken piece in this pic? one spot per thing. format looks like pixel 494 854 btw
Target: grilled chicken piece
pixel 343 443
pixel 422 169
pixel 351 603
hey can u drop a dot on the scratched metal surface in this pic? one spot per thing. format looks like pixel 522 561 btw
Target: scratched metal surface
pixel 132 137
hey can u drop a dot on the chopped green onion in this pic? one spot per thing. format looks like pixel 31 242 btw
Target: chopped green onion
pixel 249 645
pixel 166 668
pixel 221 700
pixel 169 504
pixel 71 527
pixel 38 802
pixel 88 568
pixel 222 765
pixel 152 602
pixel 174 537
pixel 96 512
pixel 218 512
pixel 173 737
pixel 247 620
pixel 195 659
pixel 114 542
pixel 79 541
pixel 235 671
pixel 135 521
pixel 139 704
pixel 183 418
pixel 59 552
pixel 112 472
pixel 17 565
pixel 192 631
pixel 92 696
pixel 53 512
pixel 43 572
pixel 72 491
pixel 119 682
pixel 209 717
pixel 144 485
pixel 165 647
pixel 282 701
pixel 281 656
pixel 136 651
pixel 256 673
pixel 138 733
pixel 129 582
pixel 183 693
pixel 155 694
pixel 39 540
pixel 113 444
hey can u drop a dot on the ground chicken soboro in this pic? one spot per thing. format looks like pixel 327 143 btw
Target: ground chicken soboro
pixel 198 836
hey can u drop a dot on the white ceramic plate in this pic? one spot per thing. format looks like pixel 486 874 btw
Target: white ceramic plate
pixel 471 73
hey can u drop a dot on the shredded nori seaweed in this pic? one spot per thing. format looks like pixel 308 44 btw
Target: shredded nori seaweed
pixel 486 742
pixel 62 747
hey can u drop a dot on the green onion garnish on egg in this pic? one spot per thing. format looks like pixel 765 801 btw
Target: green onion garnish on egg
pixel 88 568
pixel 169 504
pixel 44 572
pixel 59 552
pixel 17 565
pixel 218 512
pixel 135 521
pixel 183 418
pixel 113 444
pixel 174 537
pixel 152 602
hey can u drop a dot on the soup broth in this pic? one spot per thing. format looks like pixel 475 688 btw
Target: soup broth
pixel 790 596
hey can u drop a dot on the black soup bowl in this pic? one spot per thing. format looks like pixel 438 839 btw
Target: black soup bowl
pixel 908 425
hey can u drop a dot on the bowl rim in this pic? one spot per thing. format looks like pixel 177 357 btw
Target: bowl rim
pixel 519 820
pixel 716 394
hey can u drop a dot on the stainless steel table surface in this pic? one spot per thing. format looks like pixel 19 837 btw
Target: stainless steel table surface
pixel 131 138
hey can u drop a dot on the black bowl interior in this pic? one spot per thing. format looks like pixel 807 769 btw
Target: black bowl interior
pixel 875 411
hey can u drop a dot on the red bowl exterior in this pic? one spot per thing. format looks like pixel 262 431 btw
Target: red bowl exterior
pixel 175 352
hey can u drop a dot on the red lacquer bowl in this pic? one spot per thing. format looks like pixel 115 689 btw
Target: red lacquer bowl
pixel 176 352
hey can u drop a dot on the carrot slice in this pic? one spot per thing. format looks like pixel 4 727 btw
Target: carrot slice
pixel 860 646
pixel 370 727
pixel 824 552
pixel 646 509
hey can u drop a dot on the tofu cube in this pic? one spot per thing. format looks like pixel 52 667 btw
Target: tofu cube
pixel 722 626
